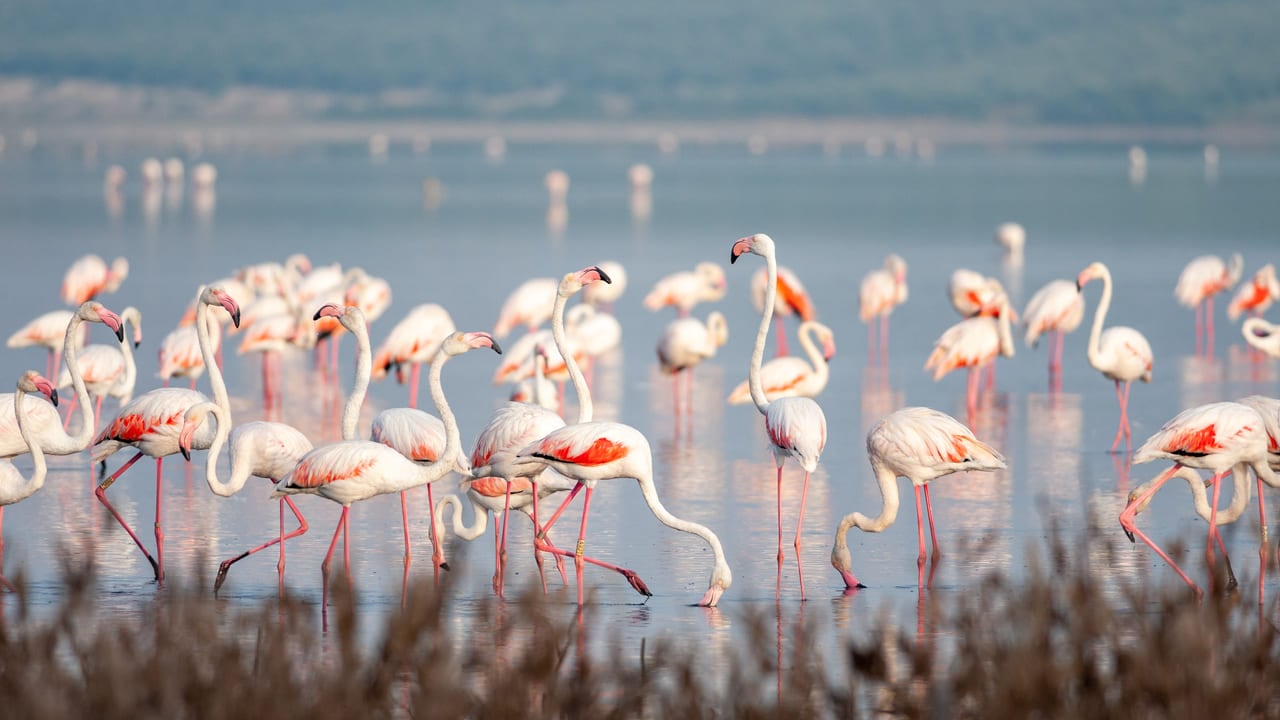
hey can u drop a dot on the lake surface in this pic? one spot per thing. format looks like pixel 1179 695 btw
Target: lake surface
pixel 833 219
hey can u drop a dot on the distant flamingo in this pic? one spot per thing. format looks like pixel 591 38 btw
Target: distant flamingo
pixel 793 300
pixel 1055 309
pixel 922 445
pixel 520 363
pixel 797 426
pixel 1012 237
pixel 13 486
pixel 973 343
pixel 353 470
pixel 89 276
pixel 47 331
pixel 537 390
pixel 1201 279
pixel 261 449
pixel 529 305
pixel 685 344
pixel 881 291
pixel 272 336
pixel 1121 353
pixel 791 376
pixel 1262 335
pixel 371 294
pixel 235 289
pixel 266 278
pixel 180 353
pixel 972 293
pixel 151 423
pixel 1269 409
pixel 413 341
pixel 604 295
pixel 107 369
pixel 1255 297
pixel 1216 437
pixel 44 420
pixel 684 290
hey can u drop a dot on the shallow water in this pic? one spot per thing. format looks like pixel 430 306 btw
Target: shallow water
pixel 833 221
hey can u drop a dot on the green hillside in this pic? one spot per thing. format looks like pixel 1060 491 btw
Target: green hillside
pixel 1179 61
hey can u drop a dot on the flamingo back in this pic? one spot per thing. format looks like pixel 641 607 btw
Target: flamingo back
pixel 1056 306
pixel 413 433
pixel 151 422
pixel 42 418
pixel 350 470
pixel 797 427
pixel 271 449
pixel 924 444
pixel 1216 435
pixel 529 304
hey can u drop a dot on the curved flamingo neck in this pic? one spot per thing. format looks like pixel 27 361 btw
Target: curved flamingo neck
pixel 40 469
pixel 130 379
pixel 888 481
pixel 71 355
pixel 239 465
pixel 766 318
pixel 1099 317
pixel 210 362
pixel 1005 332
pixel 480 521
pixel 364 369
pixel 538 378
pixel 821 369
pixel 666 518
pixel 585 409
pixel 452 437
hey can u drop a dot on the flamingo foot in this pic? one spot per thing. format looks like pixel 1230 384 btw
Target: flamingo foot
pixel 222 571
pixel 637 583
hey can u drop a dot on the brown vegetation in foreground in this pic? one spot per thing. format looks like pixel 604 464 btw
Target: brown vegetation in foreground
pixel 1052 646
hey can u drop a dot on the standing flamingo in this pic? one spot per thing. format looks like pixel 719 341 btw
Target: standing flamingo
pixel 151 422
pixel 353 470
pixel 1121 354
pixel 537 390
pixel 973 343
pixel 797 426
pixel 1262 335
pixel 180 352
pixel 413 341
pixel 791 376
pixel 261 449
pixel 1255 297
pixel 13 487
pixel 271 336
pixel 1056 309
pixel 271 278
pixel 684 290
pixel 793 299
pixel 922 445
pixel 89 276
pixel 1012 237
pixel 972 293
pixel 1219 437
pixel 107 369
pixel 683 346
pixel 1200 280
pixel 528 305
pixel 881 291
pixel 604 295
pixel 47 331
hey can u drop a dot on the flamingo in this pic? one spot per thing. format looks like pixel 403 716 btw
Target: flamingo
pixel 594 332
pixel 1269 409
pixel 244 295
pixel 275 278
pixel 151 422
pixel 795 300
pixel 684 344
pixel 973 343
pixel 972 293
pixel 47 331
pixel 1012 237
pixel 604 295
pixel 922 445
pixel 353 470
pixel 881 291
pixel 684 290
pixel 528 305
pixel 791 376
pixel 1257 296
pixel 1056 309
pixel 520 365
pixel 264 306
pixel 413 341
pixel 371 294
pixel 1262 335
pixel 108 369
pixel 1121 354
pixel 261 449
pixel 271 336
pixel 89 276
pixel 45 422
pixel 181 354
pixel 1200 280
pixel 537 390
pixel 13 486
pixel 1220 437
pixel 797 426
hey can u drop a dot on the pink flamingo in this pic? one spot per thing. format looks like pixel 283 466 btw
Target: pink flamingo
pixel 1262 336
pixel 413 341
pixel 684 290
pixel 107 369
pixel 180 352
pixel 271 278
pixel 1055 309
pixel 1200 280
pixel 1255 297
pixel 371 294
pixel 353 470
pixel 529 305
pixel 151 423
pixel 13 486
pixel 261 449
pixel 537 390
pixel 922 445
pixel 272 336
pixel 791 376
pixel 797 426
pixel 972 293
pixel 973 343
pixel 1219 437
pixel 44 419
pixel 1121 354
pixel 793 299
pixel 47 331
pixel 881 291
pixel 89 276
pixel 684 345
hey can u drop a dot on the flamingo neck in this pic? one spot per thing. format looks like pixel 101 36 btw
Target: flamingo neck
pixel 39 470
pixel 364 369
pixel 452 438
pixel 130 378
pixel 888 481
pixel 480 520
pixel 71 355
pixel 766 317
pixel 585 409
pixel 666 518
pixel 1005 332
pixel 239 465
pixel 210 362
pixel 538 379
pixel 821 369
pixel 1099 317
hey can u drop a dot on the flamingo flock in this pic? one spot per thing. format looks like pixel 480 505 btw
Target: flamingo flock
pixel 528 452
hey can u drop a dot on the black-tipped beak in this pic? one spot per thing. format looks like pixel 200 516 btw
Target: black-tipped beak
pixel 498 348
pixel 733 257
pixel 1132 539
pixel 603 275
pixel 186 454
pixel 235 317
pixel 316 316
pixel 444 566
pixel 53 397
pixel 120 333
pixel 136 344
pixel 1079 287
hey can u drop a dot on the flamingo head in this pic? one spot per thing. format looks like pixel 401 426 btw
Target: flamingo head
pixel 721 579
pixel 117 274
pixel 350 317
pixel 191 421
pixel 33 382
pixel 330 310
pixel 898 267
pixel 842 561
pixel 1093 272
pixel 711 274
pixel 760 244
pixel 299 262
pixel 133 316
pixel 460 342
pixel 828 339
pixel 573 283
pixel 216 295
pixel 94 311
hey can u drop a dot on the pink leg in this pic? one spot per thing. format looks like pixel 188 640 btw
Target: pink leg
pixel 884 335
pixel 404 522
pixel 279 539
pixel 57 366
pixel 871 342
pixel 266 380
pixel 675 394
pixel 1199 327
pixel 582 543
pixel 1208 326
pixel 919 526
pixel 1213 518
pixel 541 544
pixel 324 566
pixel 539 540
pixel 437 553
pixel 97 413
pixel 497 557
pixel 542 533
pixel 413 384
pixel 971 394
pixel 804 494
pixel 66 421
pixel 782 337
pixel 780 527
pixel 1127 518
pixel 501 565
pixel 933 533
pixel 101 494
pixel 1121 427
pixel 159 531
pixel 688 384
pixel 193 383
pixel 1262 519
pixel 630 575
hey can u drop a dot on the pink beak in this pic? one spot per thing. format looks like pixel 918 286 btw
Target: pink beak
pixel 712 596
pixel 850 582
pixel 740 247
pixel 184 440
pixel 47 389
